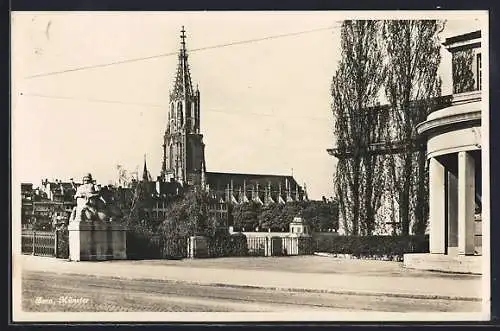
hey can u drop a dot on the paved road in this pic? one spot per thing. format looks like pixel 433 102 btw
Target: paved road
pixel 382 282
pixel 46 291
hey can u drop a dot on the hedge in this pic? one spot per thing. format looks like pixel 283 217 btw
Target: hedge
pixel 62 243
pixel 142 245
pixel 224 245
pixel 374 246
pixel 172 248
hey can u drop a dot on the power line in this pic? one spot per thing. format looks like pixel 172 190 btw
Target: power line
pixel 102 65
pixel 151 105
pixel 91 100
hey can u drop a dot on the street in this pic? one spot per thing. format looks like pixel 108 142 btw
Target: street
pixel 53 292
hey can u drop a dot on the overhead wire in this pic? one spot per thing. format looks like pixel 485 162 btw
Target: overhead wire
pixel 234 43
pixel 159 106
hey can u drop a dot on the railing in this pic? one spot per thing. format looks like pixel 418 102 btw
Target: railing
pixel 257 246
pixel 41 243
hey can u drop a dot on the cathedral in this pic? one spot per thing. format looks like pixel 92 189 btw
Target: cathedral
pixel 183 163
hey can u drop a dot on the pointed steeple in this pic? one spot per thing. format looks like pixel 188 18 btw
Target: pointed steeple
pixel 145 173
pixel 183 127
pixel 183 86
pixel 280 196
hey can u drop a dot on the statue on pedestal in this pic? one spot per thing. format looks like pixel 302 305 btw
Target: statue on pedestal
pixel 91 206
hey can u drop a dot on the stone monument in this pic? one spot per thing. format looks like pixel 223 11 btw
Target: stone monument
pixel 95 230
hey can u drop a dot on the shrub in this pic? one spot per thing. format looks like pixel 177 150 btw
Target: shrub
pixel 239 245
pixel 374 246
pixel 142 244
pixel 62 243
pixel 221 244
pixel 173 248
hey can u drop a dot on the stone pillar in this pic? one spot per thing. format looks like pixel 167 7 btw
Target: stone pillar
pixel 437 212
pixel 452 214
pixel 466 203
pixel 198 247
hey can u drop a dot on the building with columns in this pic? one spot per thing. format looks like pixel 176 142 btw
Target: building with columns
pixel 453 137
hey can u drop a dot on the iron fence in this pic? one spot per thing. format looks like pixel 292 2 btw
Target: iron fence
pixel 41 243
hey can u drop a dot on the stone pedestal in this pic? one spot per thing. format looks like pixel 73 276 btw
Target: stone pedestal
pixel 96 241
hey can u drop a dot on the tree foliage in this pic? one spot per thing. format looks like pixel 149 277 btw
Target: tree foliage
pixel 320 215
pixel 245 215
pixel 412 83
pixel 358 124
pixel 463 77
pixel 188 216
pixel 400 58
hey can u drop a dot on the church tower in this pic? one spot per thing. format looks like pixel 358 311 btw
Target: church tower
pixel 183 147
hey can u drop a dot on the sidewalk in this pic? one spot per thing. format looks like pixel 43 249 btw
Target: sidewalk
pixel 458 288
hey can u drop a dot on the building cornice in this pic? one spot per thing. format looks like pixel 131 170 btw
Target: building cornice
pixel 443 123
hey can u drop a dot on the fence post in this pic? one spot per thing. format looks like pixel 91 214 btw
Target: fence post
pixel 33 244
pixel 56 235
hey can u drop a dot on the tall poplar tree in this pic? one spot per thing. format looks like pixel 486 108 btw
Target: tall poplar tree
pixel 412 50
pixel 358 124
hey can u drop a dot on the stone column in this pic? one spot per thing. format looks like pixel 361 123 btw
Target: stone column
pixel 437 212
pixel 466 203
pixel 452 214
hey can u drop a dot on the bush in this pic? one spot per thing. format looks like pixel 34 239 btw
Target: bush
pixel 224 244
pixel 173 248
pixel 239 245
pixel 374 246
pixel 62 243
pixel 142 244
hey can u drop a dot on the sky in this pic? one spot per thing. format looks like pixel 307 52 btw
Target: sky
pixel 265 105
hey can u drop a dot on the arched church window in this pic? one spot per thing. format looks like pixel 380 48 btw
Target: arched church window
pixel 172 110
pixel 180 116
pixel 171 156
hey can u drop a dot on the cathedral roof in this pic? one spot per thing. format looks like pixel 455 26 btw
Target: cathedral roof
pixel 220 180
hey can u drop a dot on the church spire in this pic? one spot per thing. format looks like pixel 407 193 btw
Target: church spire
pixel 145 173
pixel 183 147
pixel 183 86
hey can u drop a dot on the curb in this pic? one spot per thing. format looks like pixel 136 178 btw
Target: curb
pixel 290 289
